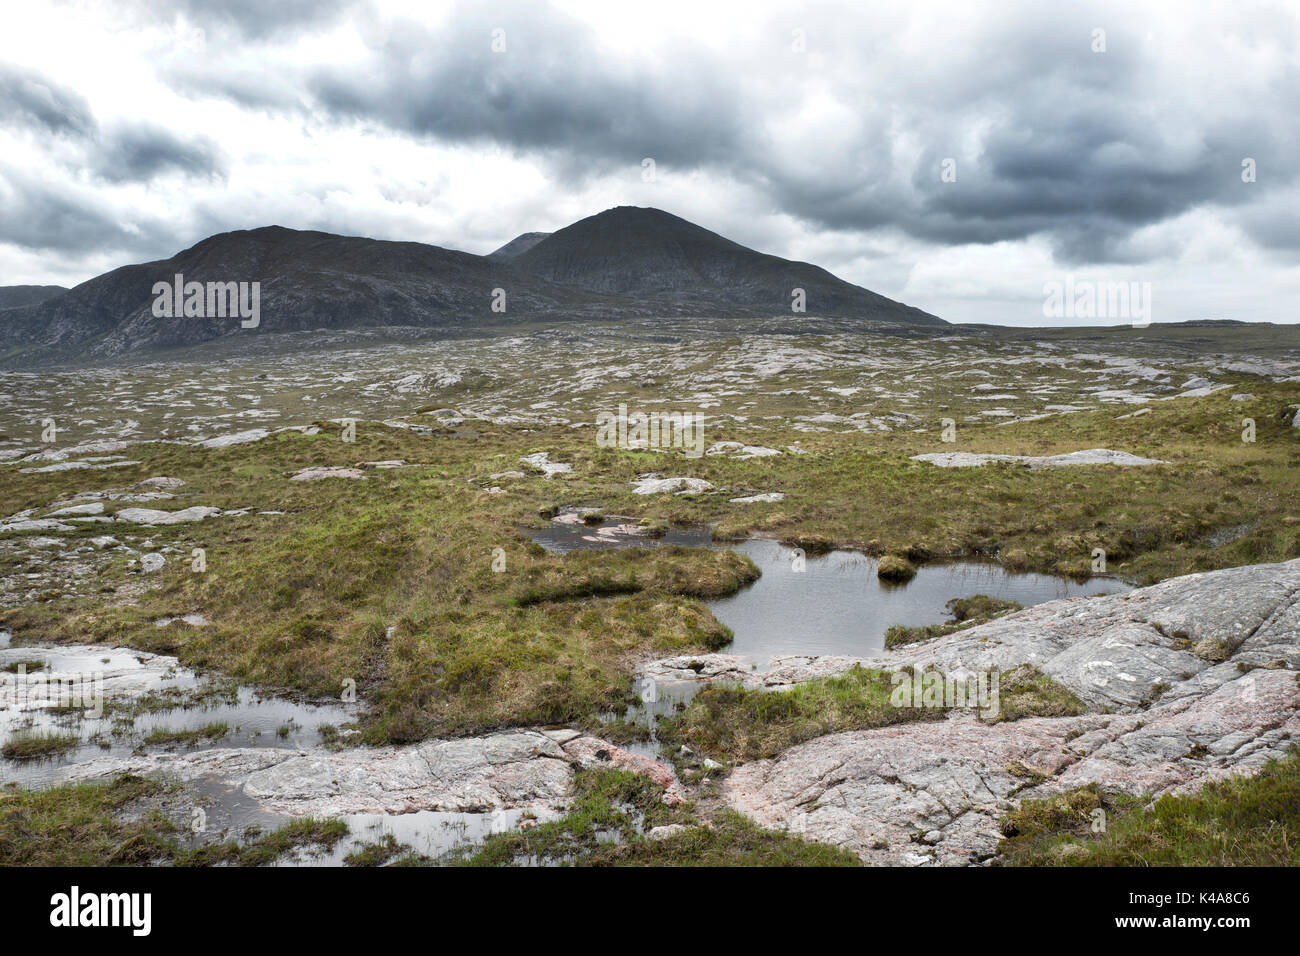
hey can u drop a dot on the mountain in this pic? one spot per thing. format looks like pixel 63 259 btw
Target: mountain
pixel 625 263
pixel 646 253
pixel 308 280
pixel 519 244
pixel 17 296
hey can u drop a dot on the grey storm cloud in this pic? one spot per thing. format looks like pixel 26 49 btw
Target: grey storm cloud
pixel 138 152
pixel 33 101
pixel 251 19
pixel 38 215
pixel 1081 148
pixel 1049 138
pixel 549 90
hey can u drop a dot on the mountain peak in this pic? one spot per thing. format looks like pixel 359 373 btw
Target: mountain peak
pixel 646 253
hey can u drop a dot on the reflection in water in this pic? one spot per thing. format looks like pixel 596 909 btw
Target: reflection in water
pixel 836 604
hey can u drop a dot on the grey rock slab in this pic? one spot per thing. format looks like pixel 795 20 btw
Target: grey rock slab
pixel 237 438
pixel 1088 456
pixel 542 462
pixel 319 472
pixel 90 508
pixel 161 481
pixel 153 517
pixel 656 486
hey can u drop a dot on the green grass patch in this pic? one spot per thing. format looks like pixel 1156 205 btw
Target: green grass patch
pixel 737 725
pixel 162 736
pixel 382 851
pixel 27 666
pixel 37 746
pixel 1242 821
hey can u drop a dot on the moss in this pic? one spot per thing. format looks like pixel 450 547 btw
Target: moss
pixel 893 567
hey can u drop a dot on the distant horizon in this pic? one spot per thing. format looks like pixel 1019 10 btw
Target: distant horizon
pixel 1045 324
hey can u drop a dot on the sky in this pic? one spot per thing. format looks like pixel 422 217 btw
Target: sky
pixel 960 157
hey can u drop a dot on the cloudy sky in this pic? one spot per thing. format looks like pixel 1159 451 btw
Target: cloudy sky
pixel 1100 141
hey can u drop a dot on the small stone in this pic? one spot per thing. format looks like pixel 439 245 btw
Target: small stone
pixel 665 831
pixel 320 472
pixel 161 481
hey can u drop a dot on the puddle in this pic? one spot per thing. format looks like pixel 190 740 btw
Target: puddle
pixel 433 833
pixel 836 604
pixel 567 533
pixel 77 674
pixel 657 699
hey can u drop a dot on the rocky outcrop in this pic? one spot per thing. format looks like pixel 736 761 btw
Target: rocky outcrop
pixel 516 769
pixel 1191 679
pixel 932 793
pixel 153 516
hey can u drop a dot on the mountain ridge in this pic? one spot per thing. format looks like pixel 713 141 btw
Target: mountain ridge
pixel 316 280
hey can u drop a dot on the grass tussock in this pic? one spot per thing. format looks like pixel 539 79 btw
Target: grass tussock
pixel 38 746
pixel 163 736
pixel 1025 691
